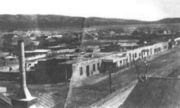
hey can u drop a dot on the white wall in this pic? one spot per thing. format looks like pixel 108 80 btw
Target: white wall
pixel 83 64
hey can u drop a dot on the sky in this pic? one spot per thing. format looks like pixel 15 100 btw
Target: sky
pixel 148 10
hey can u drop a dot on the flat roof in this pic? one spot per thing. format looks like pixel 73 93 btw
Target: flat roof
pixel 82 58
pixel 113 58
pixel 38 51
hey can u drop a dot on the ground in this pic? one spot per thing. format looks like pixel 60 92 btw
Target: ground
pixel 94 90
pixel 154 92
pixel 87 95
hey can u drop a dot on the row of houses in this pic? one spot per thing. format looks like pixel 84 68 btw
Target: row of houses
pixel 115 61
pixel 85 67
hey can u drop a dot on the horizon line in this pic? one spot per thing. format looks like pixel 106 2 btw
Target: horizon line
pixel 90 17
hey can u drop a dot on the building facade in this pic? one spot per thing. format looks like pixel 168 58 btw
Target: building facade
pixel 82 68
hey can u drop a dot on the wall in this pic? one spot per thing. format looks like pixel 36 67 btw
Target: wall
pixel 131 55
pixel 53 72
pixel 77 73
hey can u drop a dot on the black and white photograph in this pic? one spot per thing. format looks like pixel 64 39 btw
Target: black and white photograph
pixel 90 54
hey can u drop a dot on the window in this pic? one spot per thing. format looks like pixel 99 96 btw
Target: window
pixel 150 51
pixel 81 71
pixel 87 70
pixel 120 62
pixel 94 67
pixel 154 50
pixel 135 55
pixel 98 65
pixel 165 47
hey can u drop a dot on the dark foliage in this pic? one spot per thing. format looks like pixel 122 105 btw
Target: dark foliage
pixel 51 22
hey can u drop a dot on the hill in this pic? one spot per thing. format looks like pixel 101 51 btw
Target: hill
pixel 55 22
pixel 28 22
pixel 169 20
pixel 95 21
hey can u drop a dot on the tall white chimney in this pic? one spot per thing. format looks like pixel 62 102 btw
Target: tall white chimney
pixel 24 98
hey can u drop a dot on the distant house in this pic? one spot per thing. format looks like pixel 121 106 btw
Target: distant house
pixel 92 49
pixel 177 41
pixel 3 54
pixel 33 38
pixel 36 54
pixel 54 36
pixel 58 47
pixel 36 43
pixel 127 45
pixel 111 48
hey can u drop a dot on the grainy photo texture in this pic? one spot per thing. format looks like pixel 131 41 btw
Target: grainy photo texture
pixel 90 54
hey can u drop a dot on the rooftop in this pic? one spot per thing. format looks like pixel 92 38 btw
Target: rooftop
pixel 48 96
pixel 94 56
pixel 38 51
pixel 5 102
pixel 115 58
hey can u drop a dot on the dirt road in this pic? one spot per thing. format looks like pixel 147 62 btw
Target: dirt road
pixel 88 94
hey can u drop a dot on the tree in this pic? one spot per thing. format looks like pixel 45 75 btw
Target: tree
pixel 8 42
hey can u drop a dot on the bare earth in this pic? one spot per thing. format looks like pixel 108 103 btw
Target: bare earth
pixel 97 94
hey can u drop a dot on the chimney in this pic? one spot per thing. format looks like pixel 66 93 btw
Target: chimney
pixel 24 98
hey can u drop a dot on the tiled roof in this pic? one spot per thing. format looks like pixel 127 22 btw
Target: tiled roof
pixel 48 96
pixel 47 100
pixel 51 96
pixel 5 102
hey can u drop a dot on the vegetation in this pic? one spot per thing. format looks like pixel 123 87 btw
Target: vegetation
pixel 33 22
pixel 55 22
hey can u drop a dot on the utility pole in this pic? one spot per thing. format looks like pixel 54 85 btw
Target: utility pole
pixel 66 76
pixel 110 80
pixel 109 66
pixel 146 67
pixel 144 75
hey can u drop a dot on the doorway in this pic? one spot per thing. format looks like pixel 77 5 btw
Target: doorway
pixel 87 70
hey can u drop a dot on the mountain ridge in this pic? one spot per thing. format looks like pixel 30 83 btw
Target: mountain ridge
pixel 27 22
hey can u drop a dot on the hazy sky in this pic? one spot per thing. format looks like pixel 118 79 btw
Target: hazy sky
pixel 130 9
